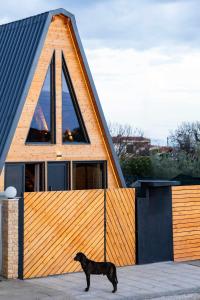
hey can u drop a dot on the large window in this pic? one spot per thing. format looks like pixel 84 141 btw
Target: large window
pixel 42 129
pixel 34 177
pixel 89 175
pixel 73 129
pixel 30 177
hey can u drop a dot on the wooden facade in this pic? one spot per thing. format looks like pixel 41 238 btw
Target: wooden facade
pixel 186 222
pixel 57 225
pixel 60 38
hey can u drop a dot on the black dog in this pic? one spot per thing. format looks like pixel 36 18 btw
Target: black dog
pixel 92 267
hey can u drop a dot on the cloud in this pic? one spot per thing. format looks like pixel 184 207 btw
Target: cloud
pixel 140 24
pixel 155 97
pixel 135 24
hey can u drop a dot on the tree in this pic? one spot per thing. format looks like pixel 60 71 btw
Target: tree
pixel 164 166
pixel 186 137
pixel 169 165
pixel 120 135
pixel 135 168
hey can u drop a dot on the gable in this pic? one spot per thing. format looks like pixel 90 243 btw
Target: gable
pixel 63 36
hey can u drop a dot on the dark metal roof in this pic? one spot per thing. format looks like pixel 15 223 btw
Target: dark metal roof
pixel 18 48
pixel 21 43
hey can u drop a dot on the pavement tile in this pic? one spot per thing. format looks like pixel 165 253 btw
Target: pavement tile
pixel 161 281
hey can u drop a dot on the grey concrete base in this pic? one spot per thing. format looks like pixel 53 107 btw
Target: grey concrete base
pixel 161 281
pixel 194 262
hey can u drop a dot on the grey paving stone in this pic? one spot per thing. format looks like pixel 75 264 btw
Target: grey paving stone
pixel 180 297
pixel 156 281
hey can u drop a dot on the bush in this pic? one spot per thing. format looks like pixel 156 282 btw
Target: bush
pixel 164 167
pixel 135 168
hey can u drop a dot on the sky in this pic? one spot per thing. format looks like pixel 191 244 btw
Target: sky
pixel 144 56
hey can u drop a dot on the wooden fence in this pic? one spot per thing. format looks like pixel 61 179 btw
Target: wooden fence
pixel 59 224
pixel 120 226
pixel 186 222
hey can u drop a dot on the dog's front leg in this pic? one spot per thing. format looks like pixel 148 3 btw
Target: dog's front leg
pixel 88 281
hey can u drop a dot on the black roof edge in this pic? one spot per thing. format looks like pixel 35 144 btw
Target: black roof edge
pixel 62 11
pixel 30 78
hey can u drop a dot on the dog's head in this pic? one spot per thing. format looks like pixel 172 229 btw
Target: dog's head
pixel 80 257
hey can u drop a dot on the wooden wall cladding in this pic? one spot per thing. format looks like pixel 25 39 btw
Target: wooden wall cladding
pixel 57 225
pixel 186 222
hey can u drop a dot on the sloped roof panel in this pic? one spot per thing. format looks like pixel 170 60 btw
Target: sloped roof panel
pixel 18 44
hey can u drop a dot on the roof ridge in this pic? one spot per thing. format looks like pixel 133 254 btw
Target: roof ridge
pixel 29 19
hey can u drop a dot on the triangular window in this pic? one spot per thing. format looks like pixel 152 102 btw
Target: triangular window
pixel 73 128
pixel 42 129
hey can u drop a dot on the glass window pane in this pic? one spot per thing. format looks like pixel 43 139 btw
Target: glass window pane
pixel 72 130
pixel 88 176
pixel 40 129
pixel 34 177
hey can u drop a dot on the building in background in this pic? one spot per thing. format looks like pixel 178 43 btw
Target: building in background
pixel 131 145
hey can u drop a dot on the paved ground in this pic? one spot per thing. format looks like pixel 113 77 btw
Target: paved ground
pixel 160 281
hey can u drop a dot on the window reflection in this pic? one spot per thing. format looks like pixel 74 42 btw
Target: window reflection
pixel 40 129
pixel 88 175
pixel 34 177
pixel 71 126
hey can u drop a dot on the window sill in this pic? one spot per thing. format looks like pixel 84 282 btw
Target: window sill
pixel 39 144
pixel 75 143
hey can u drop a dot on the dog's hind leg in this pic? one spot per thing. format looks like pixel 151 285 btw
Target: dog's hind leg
pixel 88 282
pixel 113 281
pixel 114 286
pixel 115 274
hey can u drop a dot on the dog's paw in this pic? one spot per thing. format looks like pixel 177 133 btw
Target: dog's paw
pixel 86 289
pixel 114 291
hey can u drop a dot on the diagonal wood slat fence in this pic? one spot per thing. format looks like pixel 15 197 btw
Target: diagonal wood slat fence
pixel 57 225
pixel 120 238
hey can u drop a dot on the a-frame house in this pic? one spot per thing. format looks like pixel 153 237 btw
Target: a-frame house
pixel 53 134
